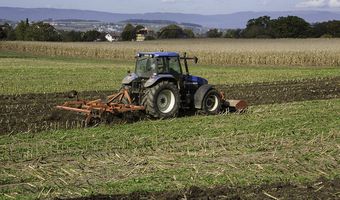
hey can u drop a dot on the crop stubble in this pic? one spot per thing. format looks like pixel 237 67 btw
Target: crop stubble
pixel 320 189
pixel 36 112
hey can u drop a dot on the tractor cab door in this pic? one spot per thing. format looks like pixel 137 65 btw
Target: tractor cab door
pixel 173 67
pixel 159 65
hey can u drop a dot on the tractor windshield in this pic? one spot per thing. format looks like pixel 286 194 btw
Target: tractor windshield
pixel 145 67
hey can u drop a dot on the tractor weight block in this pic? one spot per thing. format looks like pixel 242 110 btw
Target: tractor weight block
pixel 236 105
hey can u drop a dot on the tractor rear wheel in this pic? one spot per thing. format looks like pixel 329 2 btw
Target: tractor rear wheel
pixel 212 103
pixel 162 100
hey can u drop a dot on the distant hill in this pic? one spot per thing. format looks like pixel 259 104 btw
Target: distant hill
pixel 235 20
pixel 71 20
pixel 159 22
pixel 147 21
pixel 2 21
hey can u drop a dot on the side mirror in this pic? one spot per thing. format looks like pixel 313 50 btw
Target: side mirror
pixel 195 60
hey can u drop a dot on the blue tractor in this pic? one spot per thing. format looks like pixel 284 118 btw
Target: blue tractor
pixel 161 87
pixel 162 84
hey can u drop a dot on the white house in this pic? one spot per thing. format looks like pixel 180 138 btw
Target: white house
pixel 112 37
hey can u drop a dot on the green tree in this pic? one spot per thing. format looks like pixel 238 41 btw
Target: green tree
pixel 290 27
pixel 102 36
pixel 90 36
pixel 139 27
pixel 42 32
pixel 129 33
pixel 233 33
pixel 3 34
pixel 71 36
pixel 324 29
pixel 7 32
pixel 172 31
pixel 21 30
pixel 258 28
pixel 189 33
pixel 214 33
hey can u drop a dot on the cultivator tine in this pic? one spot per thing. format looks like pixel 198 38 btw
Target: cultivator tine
pixel 126 94
pixel 74 109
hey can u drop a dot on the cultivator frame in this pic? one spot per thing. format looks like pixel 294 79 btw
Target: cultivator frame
pixel 95 109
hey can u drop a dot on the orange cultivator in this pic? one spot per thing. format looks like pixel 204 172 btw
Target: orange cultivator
pixel 114 104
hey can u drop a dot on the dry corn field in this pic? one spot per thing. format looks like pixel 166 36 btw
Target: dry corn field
pixel 243 52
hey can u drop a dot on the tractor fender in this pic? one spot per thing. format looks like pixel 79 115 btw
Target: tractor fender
pixel 129 78
pixel 156 78
pixel 200 94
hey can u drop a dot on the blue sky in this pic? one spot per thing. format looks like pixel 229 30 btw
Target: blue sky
pixel 183 6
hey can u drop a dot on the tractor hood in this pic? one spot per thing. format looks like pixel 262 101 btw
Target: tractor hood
pixel 129 78
pixel 155 78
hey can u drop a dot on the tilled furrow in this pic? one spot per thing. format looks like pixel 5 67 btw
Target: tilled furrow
pixel 36 112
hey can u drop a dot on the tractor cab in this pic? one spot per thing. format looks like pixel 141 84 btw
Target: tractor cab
pixel 155 66
pixel 149 64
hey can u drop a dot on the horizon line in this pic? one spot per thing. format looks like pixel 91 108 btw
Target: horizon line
pixel 298 10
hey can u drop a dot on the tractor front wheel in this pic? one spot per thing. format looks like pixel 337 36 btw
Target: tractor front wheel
pixel 162 100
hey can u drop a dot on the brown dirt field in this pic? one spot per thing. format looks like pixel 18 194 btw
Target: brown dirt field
pixel 284 91
pixel 320 189
pixel 36 112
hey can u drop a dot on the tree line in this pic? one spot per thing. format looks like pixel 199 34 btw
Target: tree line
pixel 282 27
pixel 40 31
pixel 261 27
pixel 168 32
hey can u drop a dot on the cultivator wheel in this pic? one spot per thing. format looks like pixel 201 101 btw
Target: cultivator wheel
pixel 93 121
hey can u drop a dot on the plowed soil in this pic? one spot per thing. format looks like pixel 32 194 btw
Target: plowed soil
pixel 321 189
pixel 36 112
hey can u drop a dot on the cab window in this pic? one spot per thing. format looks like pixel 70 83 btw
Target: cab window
pixel 160 65
pixel 173 65
pixel 145 67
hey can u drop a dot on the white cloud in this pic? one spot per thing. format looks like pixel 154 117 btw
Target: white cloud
pixel 319 4
pixel 264 2
pixel 334 3
pixel 172 1
pixel 312 4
